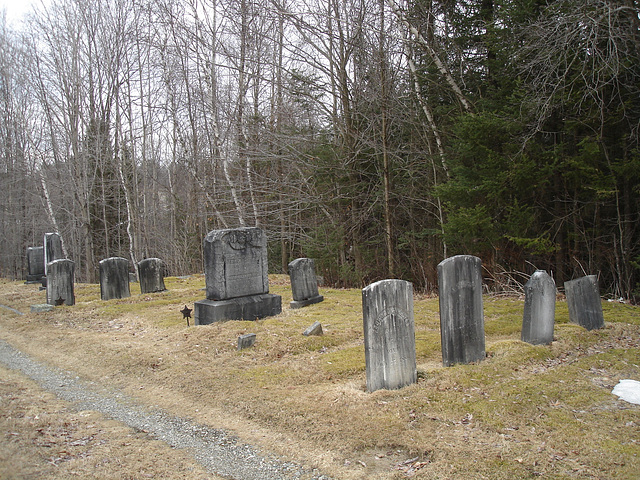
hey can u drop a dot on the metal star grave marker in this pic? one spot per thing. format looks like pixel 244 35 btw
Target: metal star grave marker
pixel 59 301
pixel 186 313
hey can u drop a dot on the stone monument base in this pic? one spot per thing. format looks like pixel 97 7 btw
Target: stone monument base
pixel 307 301
pixel 34 279
pixel 250 307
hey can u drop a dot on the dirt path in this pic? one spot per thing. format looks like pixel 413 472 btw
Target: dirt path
pixel 219 453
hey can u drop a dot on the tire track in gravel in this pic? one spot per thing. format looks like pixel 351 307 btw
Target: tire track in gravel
pixel 220 453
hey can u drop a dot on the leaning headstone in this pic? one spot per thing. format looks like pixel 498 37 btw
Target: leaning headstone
pixel 35 264
pixel 314 329
pixel 237 284
pixel 389 335
pixel 60 277
pixel 52 249
pixel 114 278
pixel 151 272
pixel 304 283
pixel 461 314
pixel 539 309
pixel 246 341
pixel 583 300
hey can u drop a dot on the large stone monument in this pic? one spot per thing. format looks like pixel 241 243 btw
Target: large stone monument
pixel 583 300
pixel 237 284
pixel 60 278
pixel 52 249
pixel 114 278
pixel 35 264
pixel 389 335
pixel 461 314
pixel 151 272
pixel 304 284
pixel 539 309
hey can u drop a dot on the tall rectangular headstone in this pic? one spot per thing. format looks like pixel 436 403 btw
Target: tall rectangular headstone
pixel 236 277
pixel 35 264
pixel 583 300
pixel 461 313
pixel 539 309
pixel 151 272
pixel 60 280
pixel 304 284
pixel 389 335
pixel 52 249
pixel 114 278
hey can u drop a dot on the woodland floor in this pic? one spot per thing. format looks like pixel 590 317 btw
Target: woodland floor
pixel 524 412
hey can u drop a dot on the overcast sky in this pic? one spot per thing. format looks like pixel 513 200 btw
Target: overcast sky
pixel 16 8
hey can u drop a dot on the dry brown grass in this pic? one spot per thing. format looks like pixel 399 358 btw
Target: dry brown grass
pixel 524 412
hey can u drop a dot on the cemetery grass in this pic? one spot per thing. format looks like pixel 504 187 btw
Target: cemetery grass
pixel 524 412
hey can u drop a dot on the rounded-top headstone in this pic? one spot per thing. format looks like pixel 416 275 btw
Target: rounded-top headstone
pixel 461 314
pixel 539 309
pixel 114 278
pixel 151 272
pixel 389 335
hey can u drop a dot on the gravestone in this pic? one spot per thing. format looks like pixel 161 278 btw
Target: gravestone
pixel 151 272
pixel 389 335
pixel 52 249
pixel 539 309
pixel 237 284
pixel 583 300
pixel 35 264
pixel 246 341
pixel 60 277
pixel 461 314
pixel 304 284
pixel 314 329
pixel 114 278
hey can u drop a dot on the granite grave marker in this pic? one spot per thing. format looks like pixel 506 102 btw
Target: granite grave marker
pixel 539 309
pixel 52 249
pixel 237 284
pixel 583 300
pixel 389 335
pixel 60 280
pixel 114 278
pixel 304 283
pixel 461 313
pixel 151 272
pixel 35 264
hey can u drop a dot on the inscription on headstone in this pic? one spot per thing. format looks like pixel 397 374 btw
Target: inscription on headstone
pixel 461 313
pixel 236 277
pixel 60 280
pixel 583 300
pixel 539 309
pixel 304 284
pixel 114 278
pixel 52 249
pixel 35 264
pixel 151 272
pixel 389 335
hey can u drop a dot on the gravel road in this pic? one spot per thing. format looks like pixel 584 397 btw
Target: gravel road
pixel 219 452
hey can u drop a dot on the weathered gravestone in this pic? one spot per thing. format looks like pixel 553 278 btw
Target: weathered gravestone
pixel 151 272
pixel 539 309
pixel 52 249
pixel 237 284
pixel 60 277
pixel 389 335
pixel 315 329
pixel 461 314
pixel 583 300
pixel 246 341
pixel 35 264
pixel 114 278
pixel 304 284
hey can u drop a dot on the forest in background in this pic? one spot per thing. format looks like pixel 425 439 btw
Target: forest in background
pixel 376 136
